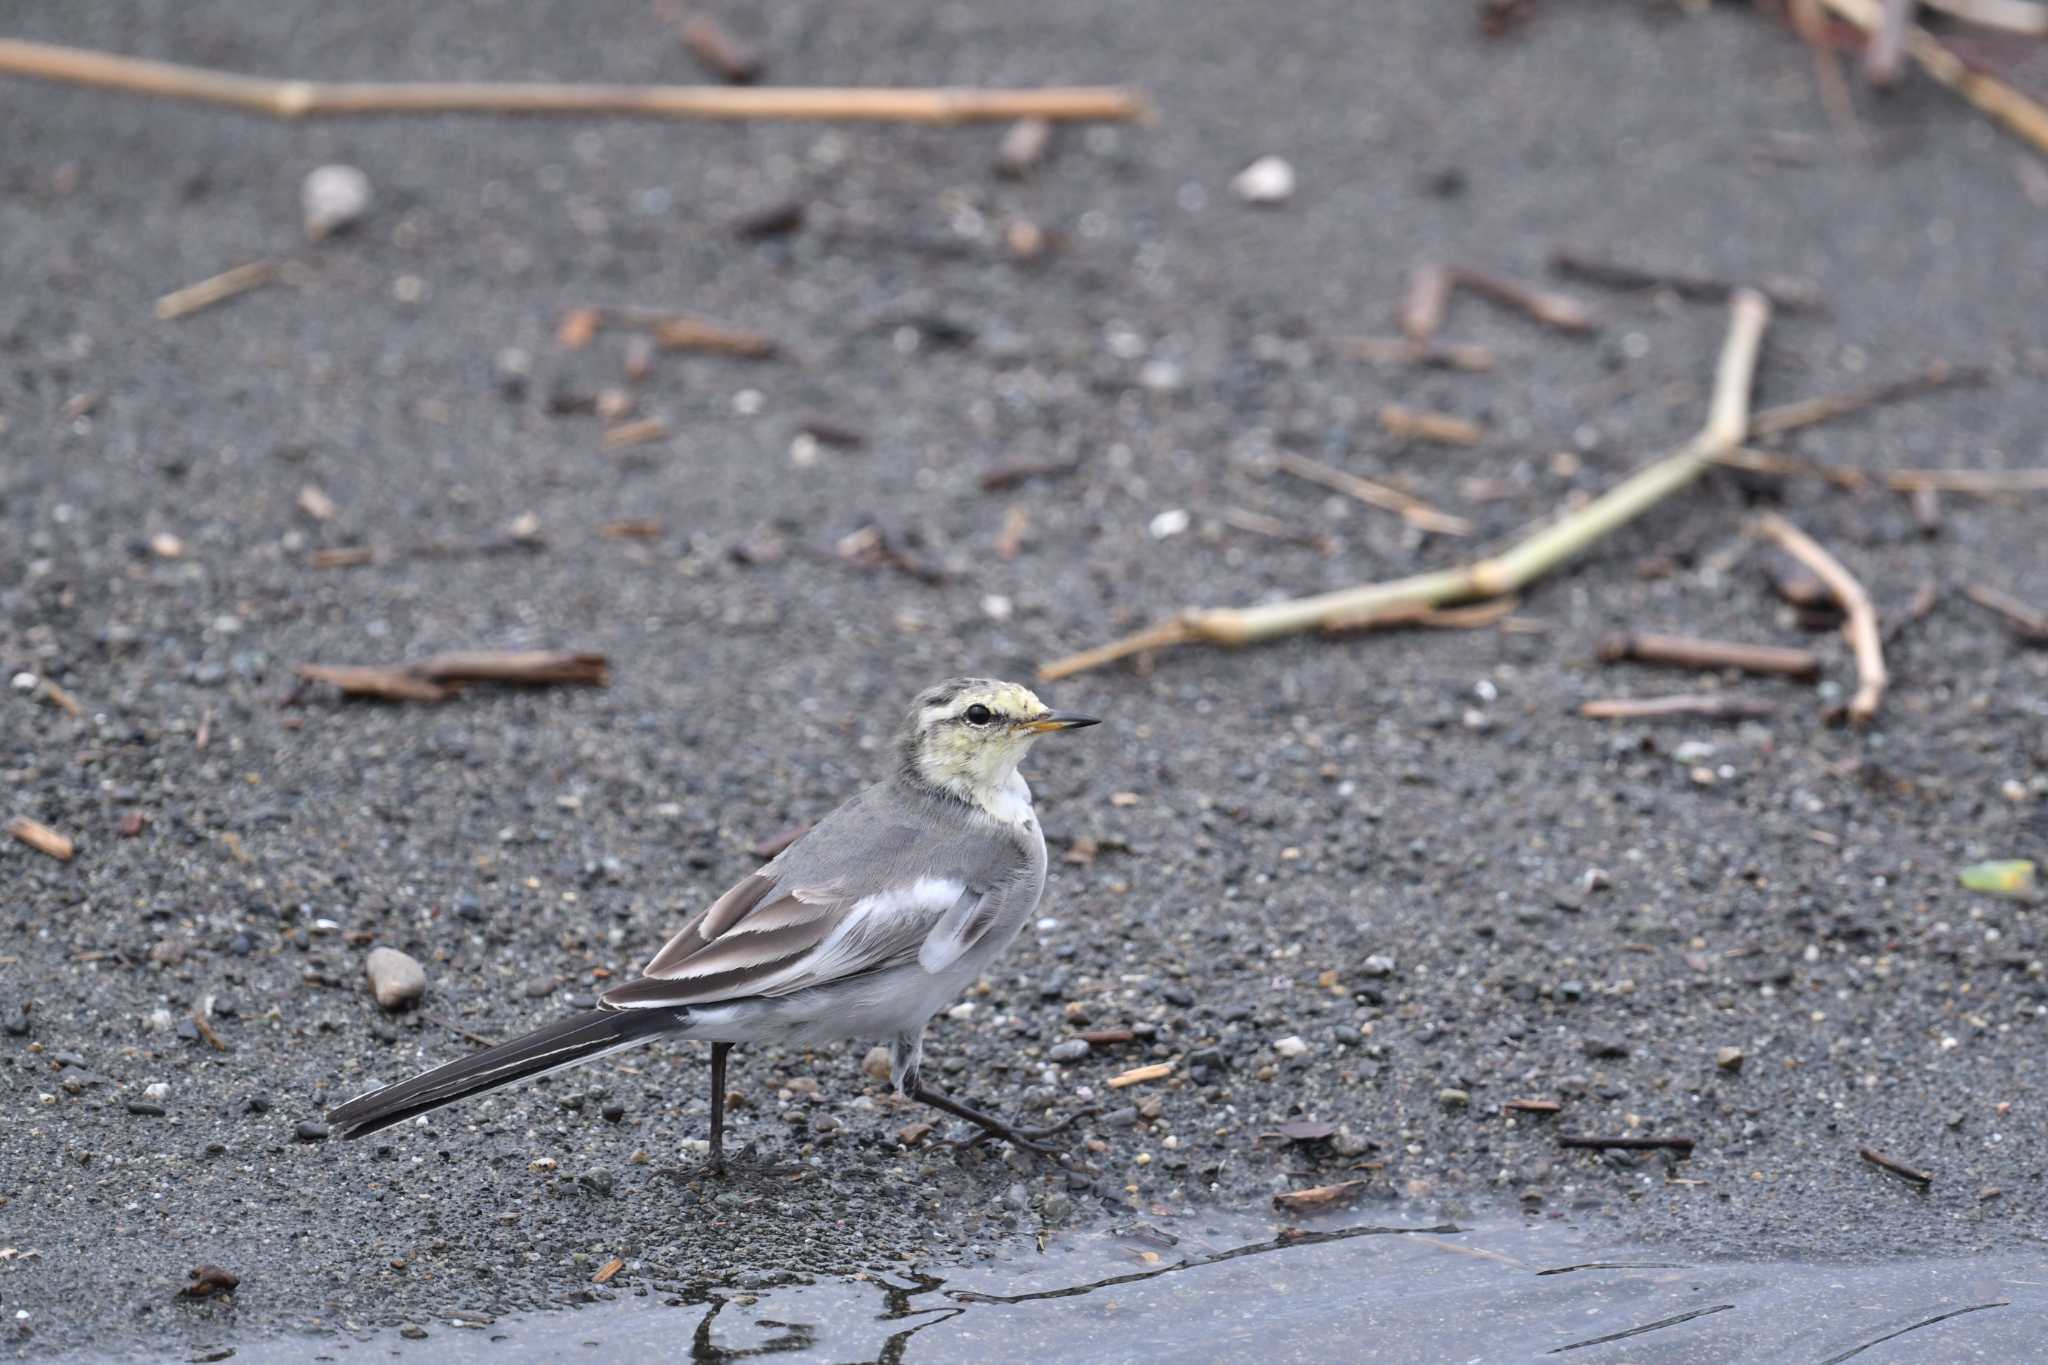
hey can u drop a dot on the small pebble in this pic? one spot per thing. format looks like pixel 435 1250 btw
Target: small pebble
pixel 332 199
pixel 1453 1099
pixel 1729 1059
pixel 1290 1046
pixel 156 1090
pixel 146 1110
pixel 876 1063
pixel 1269 180
pixel 613 1112
pixel 310 1130
pixel 395 978
pixel 1069 1050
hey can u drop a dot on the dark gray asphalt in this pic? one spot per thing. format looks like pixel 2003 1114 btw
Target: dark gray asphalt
pixel 1268 822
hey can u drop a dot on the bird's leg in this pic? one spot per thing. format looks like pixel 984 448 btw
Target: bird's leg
pixel 906 1051
pixel 718 1053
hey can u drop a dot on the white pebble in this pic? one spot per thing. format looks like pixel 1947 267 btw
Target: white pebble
pixel 156 1090
pixel 1269 180
pixel 332 198
pixel 25 682
pixel 1168 523
pixel 1290 1046
pixel 997 607
pixel 395 979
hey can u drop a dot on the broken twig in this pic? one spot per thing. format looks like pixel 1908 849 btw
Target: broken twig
pixel 1631 1144
pixel 1896 1167
pixel 218 289
pixel 444 675
pixel 1787 295
pixel 1707 705
pixel 1413 510
pixel 1442 355
pixel 1807 412
pixel 1561 311
pixel 294 99
pixel 2026 622
pixel 1862 624
pixel 1687 652
pixel 1509 572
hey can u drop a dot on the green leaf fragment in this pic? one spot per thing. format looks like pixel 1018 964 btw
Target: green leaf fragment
pixel 2010 877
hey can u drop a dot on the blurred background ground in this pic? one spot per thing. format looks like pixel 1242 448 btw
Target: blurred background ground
pixel 1264 824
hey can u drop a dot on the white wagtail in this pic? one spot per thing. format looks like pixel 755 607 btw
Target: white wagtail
pixel 863 928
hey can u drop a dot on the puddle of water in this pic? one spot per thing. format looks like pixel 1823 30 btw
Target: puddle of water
pixel 1232 1287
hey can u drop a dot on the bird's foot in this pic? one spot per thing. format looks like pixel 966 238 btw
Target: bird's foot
pixel 1030 1139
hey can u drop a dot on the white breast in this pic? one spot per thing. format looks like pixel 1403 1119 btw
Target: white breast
pixel 1009 804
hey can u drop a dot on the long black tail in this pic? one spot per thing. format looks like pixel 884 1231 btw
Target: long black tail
pixel 567 1042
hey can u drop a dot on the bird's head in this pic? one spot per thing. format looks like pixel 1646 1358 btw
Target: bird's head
pixel 966 736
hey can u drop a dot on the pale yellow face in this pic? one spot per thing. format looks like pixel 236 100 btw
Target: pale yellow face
pixel 971 735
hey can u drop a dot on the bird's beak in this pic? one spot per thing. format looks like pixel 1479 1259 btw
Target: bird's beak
pixel 1059 720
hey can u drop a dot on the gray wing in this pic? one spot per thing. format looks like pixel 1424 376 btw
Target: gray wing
pixel 883 880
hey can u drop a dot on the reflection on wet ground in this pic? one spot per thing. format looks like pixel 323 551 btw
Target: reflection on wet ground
pixel 1232 1287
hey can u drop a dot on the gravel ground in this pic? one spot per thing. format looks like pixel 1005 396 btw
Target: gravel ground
pixel 1407 851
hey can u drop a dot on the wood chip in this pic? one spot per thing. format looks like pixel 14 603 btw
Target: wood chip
pixel 1142 1074
pixel 578 327
pixel 646 431
pixel 342 557
pixel 722 54
pixel 698 334
pixel 1106 1037
pixel 1415 424
pixel 1422 307
pixel 1320 1198
pixel 827 432
pixel 633 528
pixel 608 1269
pixel 40 837
pixel 1533 1106
pixel 1441 355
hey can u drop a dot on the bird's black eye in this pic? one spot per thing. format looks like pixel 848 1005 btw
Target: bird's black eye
pixel 978 714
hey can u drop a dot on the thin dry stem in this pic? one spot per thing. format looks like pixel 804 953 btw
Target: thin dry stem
pixel 1728 419
pixel 1709 705
pixel 1413 510
pixel 2024 618
pixel 1864 636
pixel 1809 411
pixel 218 289
pixel 293 99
